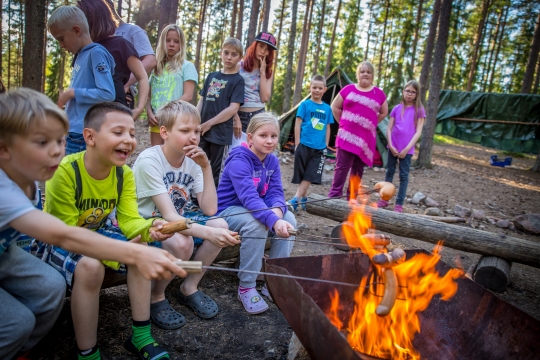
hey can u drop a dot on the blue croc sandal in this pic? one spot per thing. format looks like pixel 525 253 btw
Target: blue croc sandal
pixel 293 203
pixel 201 304
pixel 303 203
pixel 165 317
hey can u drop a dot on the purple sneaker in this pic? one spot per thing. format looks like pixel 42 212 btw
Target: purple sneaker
pixel 382 204
pixel 398 208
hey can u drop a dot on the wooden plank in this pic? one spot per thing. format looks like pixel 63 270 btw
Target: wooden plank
pixel 415 227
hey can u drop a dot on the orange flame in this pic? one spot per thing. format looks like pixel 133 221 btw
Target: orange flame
pixel 391 336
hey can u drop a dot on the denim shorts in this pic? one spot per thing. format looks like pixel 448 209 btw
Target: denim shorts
pixel 74 143
pixel 245 117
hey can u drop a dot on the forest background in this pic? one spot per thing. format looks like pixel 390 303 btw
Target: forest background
pixel 466 45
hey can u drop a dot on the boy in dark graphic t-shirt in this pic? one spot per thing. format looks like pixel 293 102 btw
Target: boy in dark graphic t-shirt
pixel 221 96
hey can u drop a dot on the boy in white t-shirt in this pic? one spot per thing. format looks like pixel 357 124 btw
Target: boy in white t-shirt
pixel 168 177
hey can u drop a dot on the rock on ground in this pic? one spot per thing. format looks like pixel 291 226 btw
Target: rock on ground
pixel 479 214
pixel 417 198
pixel 433 211
pixel 529 223
pixel 503 224
pixel 297 350
pixel 430 202
pixel 462 211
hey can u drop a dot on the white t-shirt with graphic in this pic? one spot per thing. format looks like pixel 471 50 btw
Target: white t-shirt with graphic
pixel 154 175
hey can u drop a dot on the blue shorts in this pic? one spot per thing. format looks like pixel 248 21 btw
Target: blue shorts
pixel 65 261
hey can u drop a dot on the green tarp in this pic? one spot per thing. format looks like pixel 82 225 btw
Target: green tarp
pixel 490 106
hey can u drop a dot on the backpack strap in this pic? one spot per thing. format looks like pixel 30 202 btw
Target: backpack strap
pixel 119 182
pixel 78 182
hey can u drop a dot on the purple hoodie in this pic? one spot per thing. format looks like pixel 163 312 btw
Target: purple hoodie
pixel 253 184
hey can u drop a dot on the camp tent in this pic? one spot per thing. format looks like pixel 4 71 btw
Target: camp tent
pixel 334 83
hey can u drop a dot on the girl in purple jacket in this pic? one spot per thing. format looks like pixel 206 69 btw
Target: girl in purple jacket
pixel 251 180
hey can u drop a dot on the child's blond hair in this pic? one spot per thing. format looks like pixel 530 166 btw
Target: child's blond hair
pixel 369 65
pixel 235 44
pixel 167 114
pixel 23 107
pixel 176 62
pixel 261 119
pixel 66 17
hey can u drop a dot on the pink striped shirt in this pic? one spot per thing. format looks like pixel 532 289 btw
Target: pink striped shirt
pixel 358 122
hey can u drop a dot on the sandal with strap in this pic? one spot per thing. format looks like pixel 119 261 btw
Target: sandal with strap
pixel 152 351
pixel 203 306
pixel 165 317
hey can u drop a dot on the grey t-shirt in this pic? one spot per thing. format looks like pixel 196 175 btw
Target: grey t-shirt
pixel 13 204
pixel 137 37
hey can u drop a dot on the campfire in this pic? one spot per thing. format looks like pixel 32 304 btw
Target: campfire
pixel 388 301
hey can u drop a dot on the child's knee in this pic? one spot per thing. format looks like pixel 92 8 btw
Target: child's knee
pixel 89 272
pixel 179 245
pixel 290 218
pixel 217 223
pixel 21 324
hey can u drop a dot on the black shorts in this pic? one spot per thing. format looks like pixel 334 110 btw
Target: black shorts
pixel 308 164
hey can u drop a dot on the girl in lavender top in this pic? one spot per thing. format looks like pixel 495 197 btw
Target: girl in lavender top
pixel 358 108
pixel 404 130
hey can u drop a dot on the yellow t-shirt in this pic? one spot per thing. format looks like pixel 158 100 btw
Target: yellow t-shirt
pixel 98 198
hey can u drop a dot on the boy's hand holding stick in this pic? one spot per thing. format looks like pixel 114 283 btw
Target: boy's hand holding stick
pixel 157 233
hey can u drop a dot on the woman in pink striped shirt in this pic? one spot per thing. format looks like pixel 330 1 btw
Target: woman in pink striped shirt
pixel 358 108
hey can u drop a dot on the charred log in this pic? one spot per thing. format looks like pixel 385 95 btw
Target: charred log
pixel 493 273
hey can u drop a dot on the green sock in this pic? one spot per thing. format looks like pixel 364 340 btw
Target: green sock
pixel 90 354
pixel 142 337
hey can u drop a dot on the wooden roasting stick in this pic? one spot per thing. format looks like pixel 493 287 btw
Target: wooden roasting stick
pixel 174 226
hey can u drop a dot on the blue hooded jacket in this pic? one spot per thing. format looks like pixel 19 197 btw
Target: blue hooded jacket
pixel 91 79
pixel 253 184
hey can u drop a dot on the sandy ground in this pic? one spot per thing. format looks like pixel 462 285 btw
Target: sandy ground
pixel 461 175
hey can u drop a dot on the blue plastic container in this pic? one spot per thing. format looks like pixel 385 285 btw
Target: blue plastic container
pixel 495 161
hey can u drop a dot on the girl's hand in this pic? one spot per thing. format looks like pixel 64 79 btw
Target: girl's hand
pixel 394 151
pixel 197 154
pixel 157 235
pixel 281 227
pixel 222 237
pixel 403 153
pixel 262 68
pixel 152 120
pixel 237 126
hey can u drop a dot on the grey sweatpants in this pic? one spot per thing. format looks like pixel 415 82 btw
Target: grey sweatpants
pixel 252 250
pixel 31 298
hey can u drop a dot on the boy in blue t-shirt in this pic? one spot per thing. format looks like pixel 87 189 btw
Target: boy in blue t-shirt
pixel 311 135
pixel 91 74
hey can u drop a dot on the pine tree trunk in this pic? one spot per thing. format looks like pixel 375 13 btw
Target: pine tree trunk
pixel 278 42
pixel 537 79
pixel 1 41
pixel 20 46
pixel 331 49
pixel 119 8
pixel 267 4
pixel 383 40
pixel 485 69
pixel 426 146
pixel 477 44
pixel 240 27
pixel 531 62
pixel 366 55
pixel 173 14
pixel 129 12
pixel 536 166
pixel 202 15
pixel 9 46
pixel 499 43
pixel 290 58
pixel 61 73
pixel 164 11
pixel 428 53
pixel 233 18
pixel 319 34
pixel 418 25
pixel 492 53
pixel 252 28
pixel 297 96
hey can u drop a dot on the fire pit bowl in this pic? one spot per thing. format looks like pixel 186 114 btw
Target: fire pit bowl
pixel 474 324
